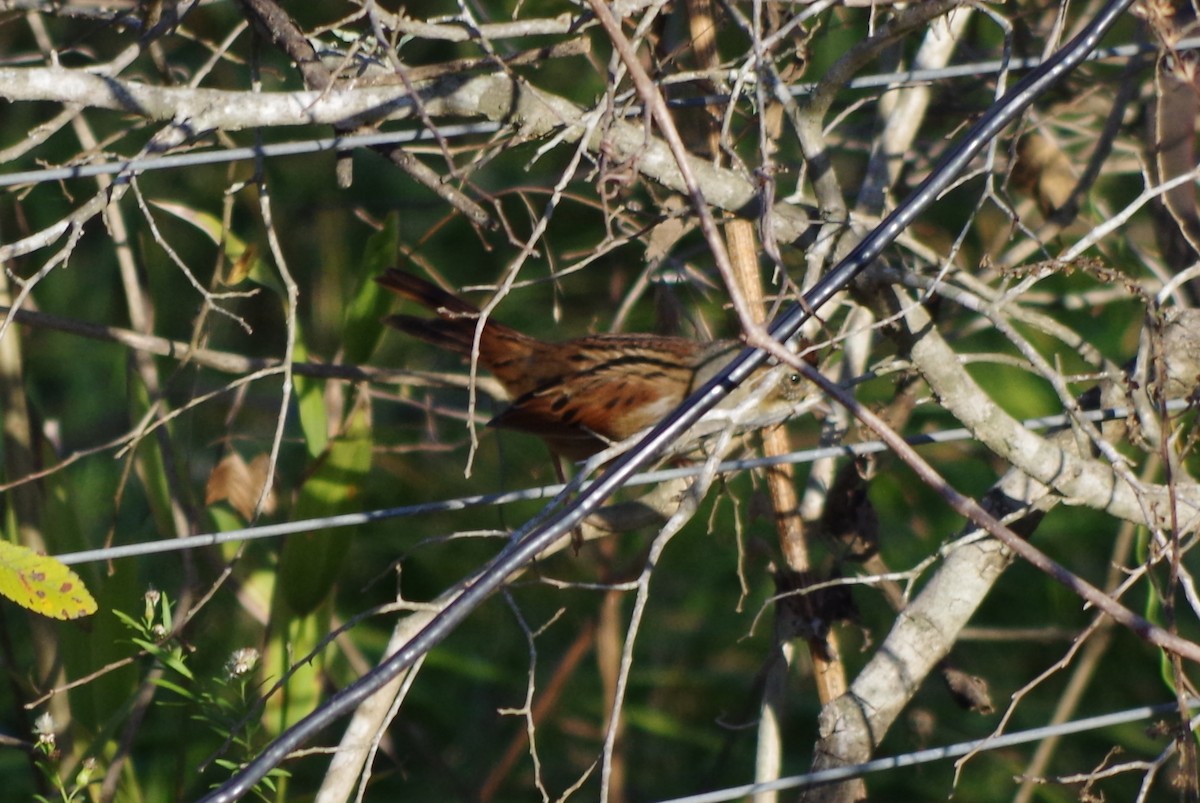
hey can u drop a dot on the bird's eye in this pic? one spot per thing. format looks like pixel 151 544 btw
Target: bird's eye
pixel 795 379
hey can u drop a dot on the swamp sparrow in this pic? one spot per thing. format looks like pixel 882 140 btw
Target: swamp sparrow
pixel 579 395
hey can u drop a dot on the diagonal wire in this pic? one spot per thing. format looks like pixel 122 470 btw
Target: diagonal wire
pixel 552 526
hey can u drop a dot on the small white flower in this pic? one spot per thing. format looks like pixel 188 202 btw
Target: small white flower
pixel 242 662
pixel 43 729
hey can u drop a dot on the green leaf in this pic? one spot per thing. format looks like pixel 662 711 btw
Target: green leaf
pixel 294 650
pixel 128 620
pixel 363 327
pixel 311 561
pixel 242 257
pixel 174 661
pixel 310 401
pixel 163 683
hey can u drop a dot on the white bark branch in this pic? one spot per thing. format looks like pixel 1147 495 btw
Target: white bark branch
pixel 497 97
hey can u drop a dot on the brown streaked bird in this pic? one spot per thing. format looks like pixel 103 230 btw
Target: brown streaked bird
pixel 577 395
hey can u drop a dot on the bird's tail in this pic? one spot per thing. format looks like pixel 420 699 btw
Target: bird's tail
pixel 454 328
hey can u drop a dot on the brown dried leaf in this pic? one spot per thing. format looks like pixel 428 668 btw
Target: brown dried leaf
pixel 1045 171
pixel 240 484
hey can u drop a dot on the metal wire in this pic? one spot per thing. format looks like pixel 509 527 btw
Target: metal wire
pixel 937 753
pixel 890 80
pixel 548 491
pixel 193 158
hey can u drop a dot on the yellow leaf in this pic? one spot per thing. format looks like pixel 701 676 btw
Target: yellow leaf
pixel 42 584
